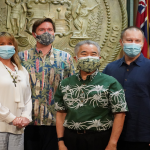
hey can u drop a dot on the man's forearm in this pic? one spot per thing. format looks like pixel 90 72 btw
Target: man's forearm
pixel 60 118
pixel 116 130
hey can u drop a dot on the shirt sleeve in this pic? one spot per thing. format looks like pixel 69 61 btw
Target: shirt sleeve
pixel 5 114
pixel 105 70
pixel 26 112
pixel 72 71
pixel 69 69
pixel 58 97
pixel 117 98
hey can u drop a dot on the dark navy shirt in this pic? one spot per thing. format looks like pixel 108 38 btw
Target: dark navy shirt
pixel 135 79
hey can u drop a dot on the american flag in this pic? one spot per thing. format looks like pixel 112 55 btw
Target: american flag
pixel 142 22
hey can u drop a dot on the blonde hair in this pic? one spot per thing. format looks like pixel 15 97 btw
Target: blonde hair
pixel 15 58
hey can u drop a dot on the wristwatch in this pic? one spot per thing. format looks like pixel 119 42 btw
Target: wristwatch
pixel 60 139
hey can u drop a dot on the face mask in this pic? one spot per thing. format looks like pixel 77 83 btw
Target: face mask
pixel 45 38
pixel 7 51
pixel 132 49
pixel 88 64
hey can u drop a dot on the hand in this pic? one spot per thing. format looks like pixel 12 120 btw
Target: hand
pixel 21 122
pixel 25 121
pixel 111 147
pixel 17 122
pixel 62 145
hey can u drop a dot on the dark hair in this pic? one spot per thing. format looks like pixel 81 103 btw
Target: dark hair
pixel 131 28
pixel 40 21
pixel 15 58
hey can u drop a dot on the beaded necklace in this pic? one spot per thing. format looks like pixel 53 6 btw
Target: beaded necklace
pixel 13 77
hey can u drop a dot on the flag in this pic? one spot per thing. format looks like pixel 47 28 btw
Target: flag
pixel 142 23
pixel 149 26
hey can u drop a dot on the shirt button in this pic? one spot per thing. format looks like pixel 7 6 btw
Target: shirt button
pixel 124 89
pixel 82 92
pixel 125 79
pixel 127 69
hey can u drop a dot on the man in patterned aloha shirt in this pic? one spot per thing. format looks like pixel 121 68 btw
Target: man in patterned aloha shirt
pixel 46 66
pixel 90 105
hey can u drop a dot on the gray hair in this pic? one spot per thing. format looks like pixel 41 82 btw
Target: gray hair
pixel 132 28
pixel 89 42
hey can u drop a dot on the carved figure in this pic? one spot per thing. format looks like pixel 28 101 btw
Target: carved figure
pixel 41 1
pixel 17 15
pixel 81 19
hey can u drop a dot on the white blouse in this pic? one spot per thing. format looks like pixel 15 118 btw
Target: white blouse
pixel 15 98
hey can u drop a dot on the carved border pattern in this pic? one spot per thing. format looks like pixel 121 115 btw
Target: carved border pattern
pixel 108 23
pixel 124 25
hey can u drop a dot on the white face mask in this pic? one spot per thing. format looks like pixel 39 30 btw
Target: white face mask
pixel 94 57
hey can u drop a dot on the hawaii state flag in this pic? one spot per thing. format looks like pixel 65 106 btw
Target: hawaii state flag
pixel 142 22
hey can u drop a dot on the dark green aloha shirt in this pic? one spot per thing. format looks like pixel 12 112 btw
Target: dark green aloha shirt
pixel 90 103
pixel 45 74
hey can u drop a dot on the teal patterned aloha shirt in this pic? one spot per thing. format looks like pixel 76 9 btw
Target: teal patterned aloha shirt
pixel 90 103
pixel 45 74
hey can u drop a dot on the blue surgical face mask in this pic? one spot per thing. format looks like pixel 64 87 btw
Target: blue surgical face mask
pixel 7 51
pixel 132 49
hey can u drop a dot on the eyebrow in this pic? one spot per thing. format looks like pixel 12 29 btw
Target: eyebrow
pixel 46 28
pixel 83 52
pixel 94 52
pixel 86 52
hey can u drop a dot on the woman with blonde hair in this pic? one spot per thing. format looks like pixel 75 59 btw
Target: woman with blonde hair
pixel 15 95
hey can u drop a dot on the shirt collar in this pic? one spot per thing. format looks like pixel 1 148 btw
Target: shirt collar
pixel 38 51
pixel 122 60
pixel 138 61
pixel 89 77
